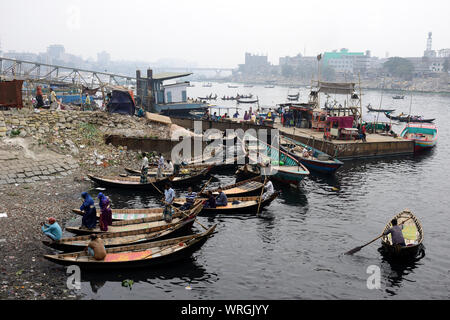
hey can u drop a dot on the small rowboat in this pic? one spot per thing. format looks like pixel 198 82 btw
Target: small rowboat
pixel 124 238
pixel 182 179
pixel 379 110
pixel 140 255
pixel 424 135
pixel 130 182
pixel 246 205
pixel 319 161
pixel 248 187
pixel 413 234
pixel 139 224
pixel 398 97
pixel 129 214
pixel 407 118
pixel 247 101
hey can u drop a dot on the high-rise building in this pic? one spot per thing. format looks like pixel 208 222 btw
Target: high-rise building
pixel 55 51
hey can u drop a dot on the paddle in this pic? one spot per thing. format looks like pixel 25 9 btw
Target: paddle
pixel 360 247
pixel 203 189
pixel 260 196
pixel 188 216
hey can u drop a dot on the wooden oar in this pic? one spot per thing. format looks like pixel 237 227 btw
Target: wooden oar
pixel 360 247
pixel 260 196
pixel 204 187
pixel 188 216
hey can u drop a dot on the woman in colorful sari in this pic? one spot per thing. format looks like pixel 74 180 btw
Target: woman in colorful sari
pixel 89 220
pixel 106 213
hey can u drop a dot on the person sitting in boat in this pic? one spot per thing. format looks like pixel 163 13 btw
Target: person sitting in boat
pixel 269 115
pixel 89 220
pixel 268 190
pixel 211 202
pixel 169 196
pixel 190 199
pixel 52 229
pixel 236 115
pixel 96 247
pixel 221 200
pixel 144 168
pixel 305 153
pixel 396 233
pixel 106 213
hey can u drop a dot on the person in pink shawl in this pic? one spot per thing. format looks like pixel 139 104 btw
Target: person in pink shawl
pixel 106 213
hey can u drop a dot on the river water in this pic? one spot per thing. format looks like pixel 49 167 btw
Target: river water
pixel 294 249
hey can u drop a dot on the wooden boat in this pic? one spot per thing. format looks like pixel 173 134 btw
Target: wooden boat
pixel 398 97
pixel 413 234
pixel 369 107
pixel 269 86
pixel 246 172
pixel 247 205
pixel 278 164
pixel 408 118
pixel 248 86
pixel 124 238
pixel 248 187
pixel 424 135
pixel 247 101
pixel 139 224
pixel 193 175
pixel 129 214
pixel 130 182
pixel 140 255
pixel 208 98
pixel 232 86
pixel 319 161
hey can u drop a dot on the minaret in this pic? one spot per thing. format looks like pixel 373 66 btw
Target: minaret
pixel 429 52
pixel 429 41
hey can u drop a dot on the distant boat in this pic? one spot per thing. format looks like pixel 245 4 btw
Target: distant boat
pixel 232 86
pixel 424 135
pixel 248 86
pixel 379 110
pixel 207 85
pixel 398 97
pixel 270 86
pixel 210 97
pixel 293 97
pixel 247 101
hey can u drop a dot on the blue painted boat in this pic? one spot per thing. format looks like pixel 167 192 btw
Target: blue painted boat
pixel 318 161
pixel 279 165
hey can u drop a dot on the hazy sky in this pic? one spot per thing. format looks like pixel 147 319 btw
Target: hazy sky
pixel 219 32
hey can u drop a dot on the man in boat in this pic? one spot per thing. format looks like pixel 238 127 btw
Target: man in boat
pixel 396 233
pixel 52 229
pixel 236 115
pixel 169 196
pixel 268 190
pixel 89 220
pixel 211 202
pixel 96 248
pixel 221 200
pixel 106 213
pixel 144 168
pixel 190 199
pixel 160 166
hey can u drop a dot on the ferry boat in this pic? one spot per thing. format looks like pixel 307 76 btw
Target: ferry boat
pixel 424 135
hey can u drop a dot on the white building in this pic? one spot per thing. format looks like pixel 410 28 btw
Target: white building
pixel 176 92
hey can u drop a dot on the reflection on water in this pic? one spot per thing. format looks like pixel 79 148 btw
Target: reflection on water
pixel 293 249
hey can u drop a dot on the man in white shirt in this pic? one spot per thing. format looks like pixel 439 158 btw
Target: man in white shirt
pixel 169 166
pixel 144 168
pixel 160 166
pixel 269 190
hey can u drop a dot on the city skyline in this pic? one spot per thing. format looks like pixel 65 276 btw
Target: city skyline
pixel 217 34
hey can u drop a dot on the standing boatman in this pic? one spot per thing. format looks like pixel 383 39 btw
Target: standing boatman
pixel 169 196
pixel 160 166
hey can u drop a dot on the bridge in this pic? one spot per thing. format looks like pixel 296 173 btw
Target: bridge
pixel 55 74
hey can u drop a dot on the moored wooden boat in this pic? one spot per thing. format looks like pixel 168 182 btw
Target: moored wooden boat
pixel 247 101
pixel 243 205
pixel 248 187
pixel 141 255
pixel 398 97
pixel 277 164
pixel 318 161
pixel 139 224
pixel 192 175
pixel 413 234
pixel 124 238
pixel 128 214
pixel 369 107
pixel 424 135
pixel 130 182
